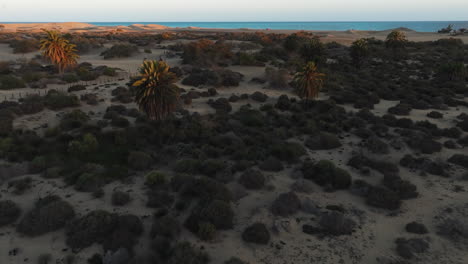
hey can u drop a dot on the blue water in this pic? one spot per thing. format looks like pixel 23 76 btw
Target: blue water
pixel 423 26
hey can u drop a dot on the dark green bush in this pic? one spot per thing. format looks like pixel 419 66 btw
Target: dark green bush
pixel 256 233
pixel 24 45
pixel 120 198
pixel 49 214
pixel 8 82
pixel 94 227
pixel 120 51
pixel 139 160
pixel 9 212
pixel 184 253
pixel 73 119
pixel 58 100
pixel 325 172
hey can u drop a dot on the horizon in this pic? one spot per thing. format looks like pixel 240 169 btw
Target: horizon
pixel 235 21
pixel 239 11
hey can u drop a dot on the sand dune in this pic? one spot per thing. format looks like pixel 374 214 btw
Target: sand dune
pixel 344 37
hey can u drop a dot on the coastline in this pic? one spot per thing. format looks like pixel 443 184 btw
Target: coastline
pixel 344 37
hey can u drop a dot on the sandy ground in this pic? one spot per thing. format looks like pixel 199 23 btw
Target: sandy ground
pixel 374 237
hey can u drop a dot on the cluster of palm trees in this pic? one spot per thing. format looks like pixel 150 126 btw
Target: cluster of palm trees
pixel 156 92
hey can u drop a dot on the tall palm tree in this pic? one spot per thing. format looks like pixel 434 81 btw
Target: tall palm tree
pixel 156 93
pixel 359 50
pixel 396 39
pixel 309 81
pixel 58 50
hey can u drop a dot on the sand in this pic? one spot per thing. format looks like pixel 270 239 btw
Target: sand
pixel 291 245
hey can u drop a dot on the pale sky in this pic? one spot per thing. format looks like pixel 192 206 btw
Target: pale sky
pixel 230 10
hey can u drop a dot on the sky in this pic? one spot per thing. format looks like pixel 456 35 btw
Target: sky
pixel 231 10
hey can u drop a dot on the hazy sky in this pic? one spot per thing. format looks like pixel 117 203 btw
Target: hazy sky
pixel 231 10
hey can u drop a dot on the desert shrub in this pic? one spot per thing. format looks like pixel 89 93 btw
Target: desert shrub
pixel 21 185
pixel 24 45
pixel 459 159
pixel 184 253
pixel 119 121
pixel 384 167
pixel 84 44
pixel 256 233
pixel 9 212
pixel 206 189
pixel 206 231
pixel 155 178
pixel 8 82
pixel 57 100
pixel 216 212
pixel 271 164
pixel 210 167
pixel 277 78
pixel 90 182
pixel 30 77
pixel 416 228
pixel 49 214
pixel 408 248
pixel 206 53
pixel 336 224
pixel 76 88
pixel 235 260
pixel 139 160
pixel 323 141
pixel 120 198
pixel 286 204
pixel 187 166
pixel 325 172
pixel 216 78
pixel 70 78
pixel 108 71
pixel 6 124
pixel 31 104
pixel 86 74
pixel 313 50
pixel 124 234
pixel 73 119
pixel 38 164
pixel 293 42
pixel 165 226
pixel 87 145
pixel 120 51
pixel 288 151
pixel 248 59
pixel 252 179
pixel 94 227
pixel 44 259
pixel 453 71
pixel 383 198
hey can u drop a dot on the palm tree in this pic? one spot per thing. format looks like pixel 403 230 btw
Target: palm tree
pixel 396 39
pixel 58 50
pixel 358 51
pixel 156 93
pixel 309 81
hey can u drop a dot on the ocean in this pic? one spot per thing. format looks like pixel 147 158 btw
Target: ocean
pixel 421 26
